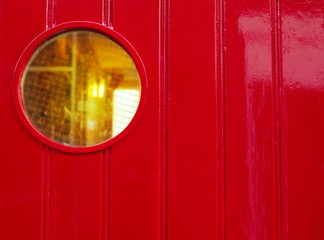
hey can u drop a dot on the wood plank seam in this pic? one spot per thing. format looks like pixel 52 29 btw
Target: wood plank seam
pixel 277 87
pixel 107 13
pixel 46 192
pixel 163 111
pixel 51 13
pixel 105 195
pixel 220 113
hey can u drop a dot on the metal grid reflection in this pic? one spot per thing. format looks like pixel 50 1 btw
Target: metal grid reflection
pixel 68 88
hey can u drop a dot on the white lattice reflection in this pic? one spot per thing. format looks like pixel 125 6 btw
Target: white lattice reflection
pixel 125 106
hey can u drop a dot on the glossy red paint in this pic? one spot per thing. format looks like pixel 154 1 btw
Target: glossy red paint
pixel 249 121
pixel 302 67
pixel 228 145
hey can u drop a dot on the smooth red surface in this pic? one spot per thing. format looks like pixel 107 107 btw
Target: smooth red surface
pixel 135 161
pixel 77 10
pixel 192 158
pixel 21 155
pixel 303 117
pixel 249 163
pixel 228 146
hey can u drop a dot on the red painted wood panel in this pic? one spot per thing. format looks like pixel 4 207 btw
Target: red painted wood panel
pixel 192 163
pixel 249 130
pixel 78 10
pixel 135 160
pixel 76 192
pixel 303 114
pixel 75 210
pixel 21 156
pixel 229 145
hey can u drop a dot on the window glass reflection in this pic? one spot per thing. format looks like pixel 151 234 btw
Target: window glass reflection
pixel 80 88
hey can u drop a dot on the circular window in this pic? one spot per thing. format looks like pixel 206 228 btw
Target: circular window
pixel 80 88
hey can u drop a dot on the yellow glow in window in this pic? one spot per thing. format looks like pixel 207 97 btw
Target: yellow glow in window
pixel 80 88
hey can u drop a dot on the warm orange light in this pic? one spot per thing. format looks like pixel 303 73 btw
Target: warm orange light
pixel 68 88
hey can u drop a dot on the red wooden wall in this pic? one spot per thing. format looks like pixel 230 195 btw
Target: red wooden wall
pixel 230 143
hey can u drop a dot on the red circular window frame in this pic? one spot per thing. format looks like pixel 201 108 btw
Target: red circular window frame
pixel 53 32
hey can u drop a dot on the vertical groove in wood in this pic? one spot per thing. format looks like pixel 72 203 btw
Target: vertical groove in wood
pixel 163 111
pixel 107 13
pixel 220 112
pixel 107 10
pixel 47 152
pixel 46 192
pixel 277 86
pixel 50 13
pixel 105 195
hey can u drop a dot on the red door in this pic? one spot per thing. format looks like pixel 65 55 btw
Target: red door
pixel 227 142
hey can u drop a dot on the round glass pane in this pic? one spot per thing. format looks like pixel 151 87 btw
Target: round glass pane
pixel 80 88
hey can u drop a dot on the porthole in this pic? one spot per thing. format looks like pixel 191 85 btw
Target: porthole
pixel 80 88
